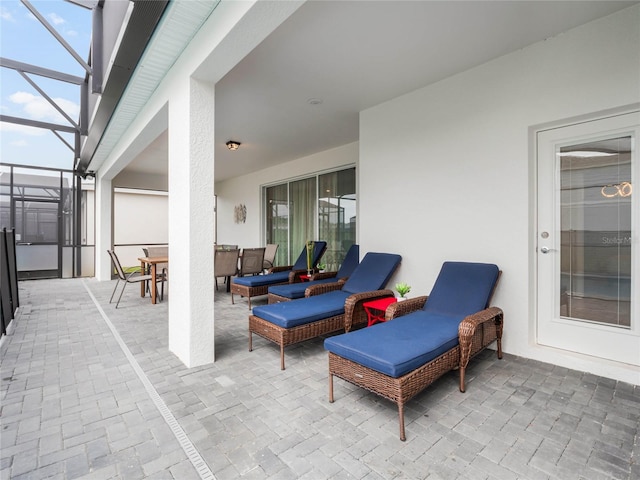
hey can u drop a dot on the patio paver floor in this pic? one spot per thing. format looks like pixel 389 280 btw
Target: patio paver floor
pixel 73 406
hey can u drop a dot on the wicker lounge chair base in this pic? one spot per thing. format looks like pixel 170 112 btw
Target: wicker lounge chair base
pixel 289 336
pixel 273 298
pixel 355 316
pixel 248 292
pixel 327 307
pixel 293 291
pixel 254 286
pixel 314 289
pixel 476 332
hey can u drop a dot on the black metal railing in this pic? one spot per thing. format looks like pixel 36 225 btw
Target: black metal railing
pixel 8 279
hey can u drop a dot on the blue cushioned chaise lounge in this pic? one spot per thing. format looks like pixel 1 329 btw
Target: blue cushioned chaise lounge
pixel 337 307
pixel 423 338
pixel 291 291
pixel 253 286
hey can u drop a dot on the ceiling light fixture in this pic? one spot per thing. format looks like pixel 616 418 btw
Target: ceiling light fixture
pixel 232 145
pixel 314 101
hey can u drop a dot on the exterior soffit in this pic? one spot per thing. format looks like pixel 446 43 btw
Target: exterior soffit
pixel 179 23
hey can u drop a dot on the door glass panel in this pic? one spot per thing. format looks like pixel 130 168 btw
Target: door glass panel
pixel 37 231
pixel 67 199
pixel 277 221
pixel 595 220
pixel 321 207
pixel 37 222
pixel 302 202
pixel 337 215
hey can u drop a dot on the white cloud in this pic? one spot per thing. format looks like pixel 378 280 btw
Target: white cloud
pixel 22 129
pixel 38 108
pixel 6 15
pixel 19 143
pixel 56 19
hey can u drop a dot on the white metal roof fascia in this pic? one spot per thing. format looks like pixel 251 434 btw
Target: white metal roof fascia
pixel 178 26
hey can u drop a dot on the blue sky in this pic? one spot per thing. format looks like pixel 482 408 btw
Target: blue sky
pixel 24 39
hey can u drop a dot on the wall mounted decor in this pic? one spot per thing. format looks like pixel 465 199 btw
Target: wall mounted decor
pixel 240 213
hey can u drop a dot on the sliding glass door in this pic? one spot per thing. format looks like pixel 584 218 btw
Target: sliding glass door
pixel 320 207
pixel 302 199
pixel 277 221
pixel 337 214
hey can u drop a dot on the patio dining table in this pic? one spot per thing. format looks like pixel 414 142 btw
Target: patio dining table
pixel 153 263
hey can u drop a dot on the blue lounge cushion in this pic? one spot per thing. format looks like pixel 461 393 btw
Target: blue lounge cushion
pixel 296 290
pixel 462 288
pixel 350 262
pixel 399 346
pixel 373 272
pixel 259 280
pixel 304 310
pixel 319 248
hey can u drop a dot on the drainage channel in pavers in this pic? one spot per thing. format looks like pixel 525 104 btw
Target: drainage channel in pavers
pixel 192 453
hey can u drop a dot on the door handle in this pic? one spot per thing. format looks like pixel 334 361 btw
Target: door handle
pixel 545 249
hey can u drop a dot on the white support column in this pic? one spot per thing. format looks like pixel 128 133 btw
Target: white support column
pixel 191 222
pixel 104 227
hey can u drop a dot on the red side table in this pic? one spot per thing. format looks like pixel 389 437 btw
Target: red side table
pixel 376 308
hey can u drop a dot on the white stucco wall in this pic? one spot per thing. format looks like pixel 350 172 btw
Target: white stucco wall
pixel 247 190
pixel 225 38
pixel 447 169
pixel 138 218
pixel 445 172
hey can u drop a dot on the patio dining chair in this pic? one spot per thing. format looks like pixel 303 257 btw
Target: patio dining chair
pixel 251 261
pixel 269 256
pixel 133 277
pixel 225 265
pixel 252 286
pixel 225 246
pixel 163 268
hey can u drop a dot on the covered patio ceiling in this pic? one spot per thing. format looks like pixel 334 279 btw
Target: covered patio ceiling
pixel 302 89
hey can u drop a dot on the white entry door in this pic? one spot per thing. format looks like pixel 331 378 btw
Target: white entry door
pixel 588 238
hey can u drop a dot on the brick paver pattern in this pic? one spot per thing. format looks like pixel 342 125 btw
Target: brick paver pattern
pixel 72 406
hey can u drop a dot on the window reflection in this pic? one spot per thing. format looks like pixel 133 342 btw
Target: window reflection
pixel 293 210
pixel 596 193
